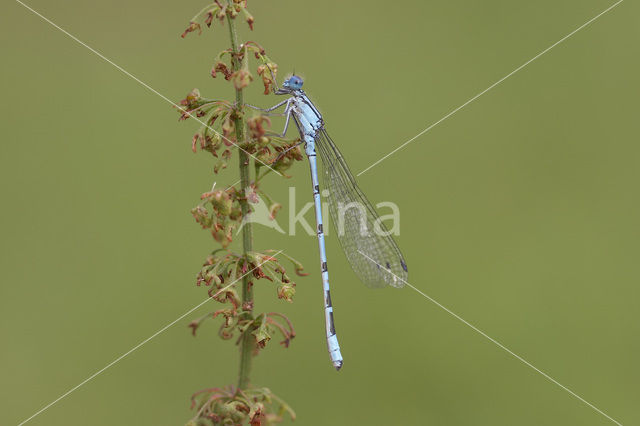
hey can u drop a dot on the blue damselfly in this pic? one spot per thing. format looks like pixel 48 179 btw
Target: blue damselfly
pixel 369 247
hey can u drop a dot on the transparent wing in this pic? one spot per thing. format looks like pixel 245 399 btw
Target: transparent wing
pixel 371 251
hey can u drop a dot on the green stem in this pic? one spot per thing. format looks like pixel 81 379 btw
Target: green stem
pixel 247 343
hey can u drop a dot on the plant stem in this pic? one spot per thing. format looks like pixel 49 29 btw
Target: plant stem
pixel 247 343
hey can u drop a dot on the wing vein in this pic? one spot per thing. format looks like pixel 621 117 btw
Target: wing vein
pixel 357 224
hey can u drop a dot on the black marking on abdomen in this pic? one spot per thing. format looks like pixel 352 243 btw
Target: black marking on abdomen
pixel 319 228
pixel 404 266
pixel 328 297
pixel 332 327
pixel 317 188
pixel 324 266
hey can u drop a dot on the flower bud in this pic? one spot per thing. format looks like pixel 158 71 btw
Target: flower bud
pixel 273 210
pixel 191 28
pixel 286 292
pixel 242 78
pixel 209 19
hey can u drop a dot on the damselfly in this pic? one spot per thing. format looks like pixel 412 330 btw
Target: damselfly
pixel 369 247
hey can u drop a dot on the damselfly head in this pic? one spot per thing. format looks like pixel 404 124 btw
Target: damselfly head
pixel 293 83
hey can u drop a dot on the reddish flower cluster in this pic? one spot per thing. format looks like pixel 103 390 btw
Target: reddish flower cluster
pixel 225 127
pixel 233 406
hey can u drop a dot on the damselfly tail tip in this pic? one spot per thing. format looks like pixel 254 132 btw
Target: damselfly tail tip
pixel 337 365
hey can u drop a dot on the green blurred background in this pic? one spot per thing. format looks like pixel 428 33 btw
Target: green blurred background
pixel 519 213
